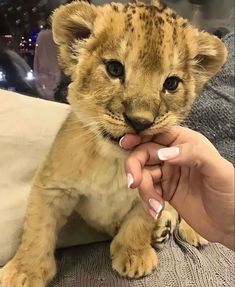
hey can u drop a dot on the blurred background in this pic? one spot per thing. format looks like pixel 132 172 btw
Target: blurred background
pixel 28 60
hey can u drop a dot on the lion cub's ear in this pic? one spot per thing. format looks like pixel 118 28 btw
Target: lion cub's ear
pixel 210 56
pixel 71 23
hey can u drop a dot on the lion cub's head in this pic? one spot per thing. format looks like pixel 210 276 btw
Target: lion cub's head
pixel 134 67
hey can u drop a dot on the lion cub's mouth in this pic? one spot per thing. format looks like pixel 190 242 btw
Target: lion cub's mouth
pixel 110 136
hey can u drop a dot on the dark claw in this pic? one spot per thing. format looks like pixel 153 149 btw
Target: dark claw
pixel 168 224
pixel 153 269
pixel 179 218
pixel 200 246
pixel 160 241
pixel 165 232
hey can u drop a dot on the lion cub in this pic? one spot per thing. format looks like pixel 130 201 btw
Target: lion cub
pixel 135 68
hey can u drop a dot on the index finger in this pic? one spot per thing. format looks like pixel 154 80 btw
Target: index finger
pixel 130 141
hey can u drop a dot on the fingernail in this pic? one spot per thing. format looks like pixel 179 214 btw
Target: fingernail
pixel 120 141
pixel 130 180
pixel 153 214
pixel 156 205
pixel 168 153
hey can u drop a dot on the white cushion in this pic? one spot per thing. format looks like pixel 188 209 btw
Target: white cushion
pixel 27 129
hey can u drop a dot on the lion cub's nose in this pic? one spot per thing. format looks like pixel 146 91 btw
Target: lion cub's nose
pixel 138 123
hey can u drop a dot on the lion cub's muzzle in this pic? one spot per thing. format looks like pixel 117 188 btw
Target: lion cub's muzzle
pixel 138 123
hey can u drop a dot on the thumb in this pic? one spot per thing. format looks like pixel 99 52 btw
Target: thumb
pixel 192 155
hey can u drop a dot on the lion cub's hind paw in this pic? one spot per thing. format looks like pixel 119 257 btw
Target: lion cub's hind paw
pixel 190 236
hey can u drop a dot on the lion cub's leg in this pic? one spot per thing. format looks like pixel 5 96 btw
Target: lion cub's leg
pixel 131 251
pixel 34 264
pixel 164 226
pixel 189 235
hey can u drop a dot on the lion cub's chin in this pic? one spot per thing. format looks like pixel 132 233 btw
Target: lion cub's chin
pixel 111 149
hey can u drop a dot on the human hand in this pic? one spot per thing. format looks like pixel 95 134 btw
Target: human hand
pixel 192 175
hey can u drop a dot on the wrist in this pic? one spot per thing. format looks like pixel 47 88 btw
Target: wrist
pixel 228 167
pixel 228 240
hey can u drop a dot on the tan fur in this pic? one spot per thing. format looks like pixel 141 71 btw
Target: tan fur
pixel 85 170
pixel 189 235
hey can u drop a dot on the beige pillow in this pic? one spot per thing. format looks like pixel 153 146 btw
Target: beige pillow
pixel 27 129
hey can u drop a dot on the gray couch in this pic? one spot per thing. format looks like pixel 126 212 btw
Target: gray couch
pixel 180 264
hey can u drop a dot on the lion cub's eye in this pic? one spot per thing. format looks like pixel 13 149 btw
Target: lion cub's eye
pixel 171 83
pixel 115 69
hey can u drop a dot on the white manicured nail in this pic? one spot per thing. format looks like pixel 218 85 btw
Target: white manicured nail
pixel 130 180
pixel 168 153
pixel 120 141
pixel 153 214
pixel 156 205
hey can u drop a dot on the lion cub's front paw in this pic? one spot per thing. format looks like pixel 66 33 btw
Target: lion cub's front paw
pixel 163 229
pixel 15 274
pixel 189 235
pixel 131 262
